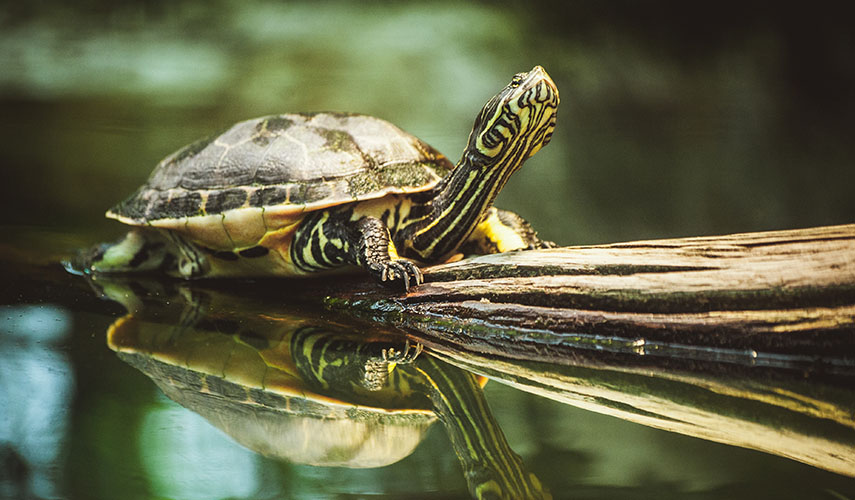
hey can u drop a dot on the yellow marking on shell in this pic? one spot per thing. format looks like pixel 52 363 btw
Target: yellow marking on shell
pixel 247 203
pixel 117 333
pixel 281 382
pixel 209 231
pixel 178 223
pixel 283 211
pixel 279 216
pixel 271 264
pixel 226 230
pixel 245 226
pixel 204 203
pixel 277 355
pixel 264 219
pixel 242 365
pixel 207 357
pixel 505 238
pixel 228 147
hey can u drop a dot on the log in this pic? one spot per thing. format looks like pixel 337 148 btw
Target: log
pixel 745 339
pixel 754 296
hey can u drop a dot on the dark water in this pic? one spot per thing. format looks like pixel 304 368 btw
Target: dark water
pixel 673 122
pixel 80 421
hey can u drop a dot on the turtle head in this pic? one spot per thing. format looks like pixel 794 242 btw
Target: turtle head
pixel 517 121
pixel 512 126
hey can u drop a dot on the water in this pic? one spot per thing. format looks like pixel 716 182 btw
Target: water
pixel 670 124
pixel 81 421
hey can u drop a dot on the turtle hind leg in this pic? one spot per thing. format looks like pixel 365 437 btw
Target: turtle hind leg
pixel 190 261
pixel 139 250
pixel 503 231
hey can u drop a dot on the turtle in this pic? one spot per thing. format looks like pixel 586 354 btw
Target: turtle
pixel 302 193
pixel 310 391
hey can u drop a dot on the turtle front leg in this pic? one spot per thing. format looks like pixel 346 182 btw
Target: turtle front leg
pixel 503 231
pixel 329 239
pixel 372 249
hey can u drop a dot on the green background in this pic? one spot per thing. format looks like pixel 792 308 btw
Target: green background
pixel 676 119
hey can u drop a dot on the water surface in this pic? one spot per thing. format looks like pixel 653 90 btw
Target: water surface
pixel 671 124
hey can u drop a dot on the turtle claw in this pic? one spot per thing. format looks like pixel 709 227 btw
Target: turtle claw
pixel 378 368
pixel 407 355
pixel 544 244
pixel 401 271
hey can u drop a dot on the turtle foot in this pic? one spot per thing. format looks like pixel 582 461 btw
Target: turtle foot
pixel 378 369
pixel 400 273
pixel 408 354
pixel 542 244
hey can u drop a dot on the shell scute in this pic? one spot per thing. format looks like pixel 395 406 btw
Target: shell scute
pixel 226 199
pixel 273 195
pixel 292 163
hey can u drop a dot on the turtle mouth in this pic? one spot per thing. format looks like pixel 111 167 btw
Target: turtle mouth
pixel 535 86
pixel 538 74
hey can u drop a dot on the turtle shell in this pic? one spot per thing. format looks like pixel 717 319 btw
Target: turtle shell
pixel 247 385
pixel 268 171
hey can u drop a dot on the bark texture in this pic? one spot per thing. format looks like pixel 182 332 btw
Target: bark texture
pixel 745 339
pixel 754 296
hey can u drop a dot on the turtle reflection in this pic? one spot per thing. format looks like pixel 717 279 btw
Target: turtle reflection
pixel 310 391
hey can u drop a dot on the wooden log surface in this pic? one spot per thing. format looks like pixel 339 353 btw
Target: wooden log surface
pixel 745 339
pixel 752 296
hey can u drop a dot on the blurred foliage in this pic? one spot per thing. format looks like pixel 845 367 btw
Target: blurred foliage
pixel 676 119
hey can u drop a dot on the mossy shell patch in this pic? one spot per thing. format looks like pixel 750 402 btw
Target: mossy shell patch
pixel 284 165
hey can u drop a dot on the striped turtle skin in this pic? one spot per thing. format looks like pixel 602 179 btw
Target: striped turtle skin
pixel 308 391
pixel 298 194
pixel 267 170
